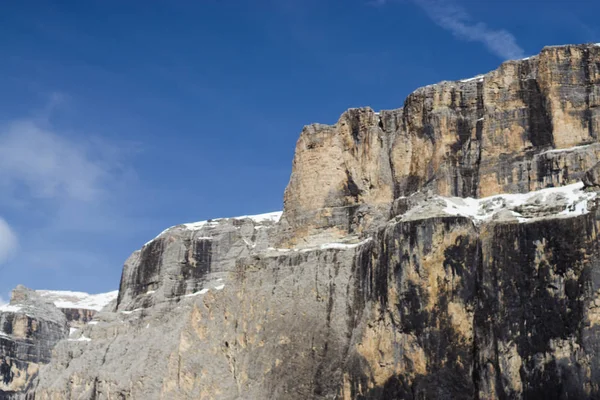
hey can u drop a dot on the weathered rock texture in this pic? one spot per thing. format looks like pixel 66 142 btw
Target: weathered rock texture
pixel 382 280
pixel 530 124
pixel 29 329
pixel 184 258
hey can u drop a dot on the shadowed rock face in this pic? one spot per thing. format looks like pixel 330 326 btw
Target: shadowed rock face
pixel 29 329
pixel 382 280
pixel 186 258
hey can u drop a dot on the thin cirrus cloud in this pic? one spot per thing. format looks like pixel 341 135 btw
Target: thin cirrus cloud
pixel 49 165
pixel 456 20
pixel 56 186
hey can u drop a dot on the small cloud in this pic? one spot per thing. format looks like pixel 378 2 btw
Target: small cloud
pixel 456 20
pixel 49 165
pixel 8 242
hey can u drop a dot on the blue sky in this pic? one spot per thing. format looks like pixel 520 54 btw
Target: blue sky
pixel 119 119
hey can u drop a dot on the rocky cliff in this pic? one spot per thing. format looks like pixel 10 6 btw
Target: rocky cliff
pixel 31 325
pixel 29 329
pixel 444 250
pixel 528 125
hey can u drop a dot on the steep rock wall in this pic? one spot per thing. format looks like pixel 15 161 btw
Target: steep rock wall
pixel 434 308
pixel 502 132
pixel 29 329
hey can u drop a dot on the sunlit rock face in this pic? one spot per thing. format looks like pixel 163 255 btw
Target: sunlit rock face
pixel 444 250
pixel 528 125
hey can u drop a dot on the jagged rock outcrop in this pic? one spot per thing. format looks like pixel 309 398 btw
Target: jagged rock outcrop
pixel 32 324
pixel 528 125
pixel 184 258
pixel 79 307
pixel 445 250
pixel 29 329
pixel 591 179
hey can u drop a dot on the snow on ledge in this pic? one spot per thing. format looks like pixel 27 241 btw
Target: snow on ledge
pixel 324 246
pixel 258 219
pixel 10 308
pixel 571 199
pixel 566 150
pixel 80 300
pixel 475 78
pixel 81 339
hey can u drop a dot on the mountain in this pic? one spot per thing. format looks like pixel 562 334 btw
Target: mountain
pixel 444 250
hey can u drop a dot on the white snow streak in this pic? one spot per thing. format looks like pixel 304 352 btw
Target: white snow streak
pixel 485 208
pixel 566 150
pixel 478 78
pixel 203 291
pixel 10 308
pixel 258 219
pixel 81 300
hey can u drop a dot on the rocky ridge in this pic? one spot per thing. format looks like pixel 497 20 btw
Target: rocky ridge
pixel 444 250
pixel 31 325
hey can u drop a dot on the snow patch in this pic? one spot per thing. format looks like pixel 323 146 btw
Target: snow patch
pixel 10 308
pixel 72 331
pixel 80 300
pixel 81 339
pixel 203 291
pixel 220 287
pixel 477 78
pixel 259 218
pixel 343 246
pixel 132 311
pixel 325 246
pixel 93 323
pixel 566 150
pixel 271 217
pixel 571 197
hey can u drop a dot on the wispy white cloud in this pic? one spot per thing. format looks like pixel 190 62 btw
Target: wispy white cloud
pixel 49 165
pixel 69 193
pixel 8 242
pixel 455 19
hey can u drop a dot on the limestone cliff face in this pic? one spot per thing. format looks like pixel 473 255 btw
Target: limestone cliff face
pixel 530 124
pixel 184 258
pixel 29 329
pixel 392 273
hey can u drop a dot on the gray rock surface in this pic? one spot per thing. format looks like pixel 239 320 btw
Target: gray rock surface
pixel 29 329
pixel 591 179
pixel 186 258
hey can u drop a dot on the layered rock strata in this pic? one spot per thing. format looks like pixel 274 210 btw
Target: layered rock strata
pixel 79 307
pixel 528 125
pixel 29 329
